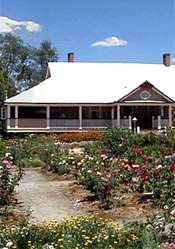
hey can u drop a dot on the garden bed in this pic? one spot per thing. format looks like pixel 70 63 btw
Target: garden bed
pixel 125 177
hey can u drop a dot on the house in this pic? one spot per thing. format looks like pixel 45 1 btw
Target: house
pixel 78 96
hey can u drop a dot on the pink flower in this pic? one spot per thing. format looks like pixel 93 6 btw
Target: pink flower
pixel 98 173
pixel 135 166
pixel 104 157
pixel 8 164
pixel 126 166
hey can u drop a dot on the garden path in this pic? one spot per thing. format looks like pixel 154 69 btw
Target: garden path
pixel 43 197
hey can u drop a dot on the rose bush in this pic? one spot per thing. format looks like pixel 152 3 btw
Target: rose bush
pixel 9 178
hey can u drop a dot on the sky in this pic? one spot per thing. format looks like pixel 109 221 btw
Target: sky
pixel 95 30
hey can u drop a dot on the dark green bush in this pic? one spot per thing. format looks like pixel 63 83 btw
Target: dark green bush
pixel 117 140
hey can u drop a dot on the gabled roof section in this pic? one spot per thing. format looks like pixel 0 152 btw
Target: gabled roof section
pixel 152 95
pixel 97 82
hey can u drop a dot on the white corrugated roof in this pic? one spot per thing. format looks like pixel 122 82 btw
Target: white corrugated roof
pixel 96 82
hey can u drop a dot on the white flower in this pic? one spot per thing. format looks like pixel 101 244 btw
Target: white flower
pixel 7 154
pixel 9 244
pixel 159 166
pixel 166 207
pixel 46 246
pixel 89 171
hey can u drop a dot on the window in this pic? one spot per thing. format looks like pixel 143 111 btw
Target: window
pixel 31 112
pixel 3 113
pixel 145 95
pixel 64 113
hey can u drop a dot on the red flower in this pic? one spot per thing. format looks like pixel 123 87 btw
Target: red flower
pixel 107 189
pixel 103 152
pixel 125 162
pixel 157 174
pixel 172 167
pixel 125 182
pixel 136 151
pixel 145 178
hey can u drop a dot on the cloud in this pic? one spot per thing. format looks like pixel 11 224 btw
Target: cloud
pixel 9 25
pixel 110 42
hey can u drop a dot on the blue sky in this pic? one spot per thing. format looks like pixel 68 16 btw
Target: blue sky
pixel 120 30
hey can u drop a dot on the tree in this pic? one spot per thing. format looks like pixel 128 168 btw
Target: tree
pixel 15 58
pixel 42 55
pixel 24 65
pixel 7 87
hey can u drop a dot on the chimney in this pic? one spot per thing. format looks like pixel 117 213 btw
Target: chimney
pixel 166 59
pixel 71 57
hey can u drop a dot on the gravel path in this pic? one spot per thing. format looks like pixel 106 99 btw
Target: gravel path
pixel 43 197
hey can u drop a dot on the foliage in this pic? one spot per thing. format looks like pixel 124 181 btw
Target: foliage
pixel 97 176
pixel 42 55
pixel 80 232
pixel 22 64
pixel 6 85
pixel 117 140
pixel 170 136
pixel 61 163
pixel 163 223
pixel 32 147
pixel 93 148
pixel 9 178
pixel 31 163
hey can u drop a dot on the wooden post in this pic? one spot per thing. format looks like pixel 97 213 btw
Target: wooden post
pixel 170 116
pixel 48 116
pixel 16 116
pixel 112 117
pixel 153 125
pixel 8 117
pixel 80 117
pixel 159 122
pixel 118 116
pixel 130 122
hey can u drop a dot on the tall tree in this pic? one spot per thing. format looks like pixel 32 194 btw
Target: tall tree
pixel 15 58
pixel 42 55
pixel 24 65
pixel 7 87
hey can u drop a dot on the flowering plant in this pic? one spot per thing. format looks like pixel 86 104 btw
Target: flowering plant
pixel 9 178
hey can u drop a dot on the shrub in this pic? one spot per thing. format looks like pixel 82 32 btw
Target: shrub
pixel 80 232
pixel 93 148
pixel 31 163
pixel 117 140
pixel 78 136
pixel 9 178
